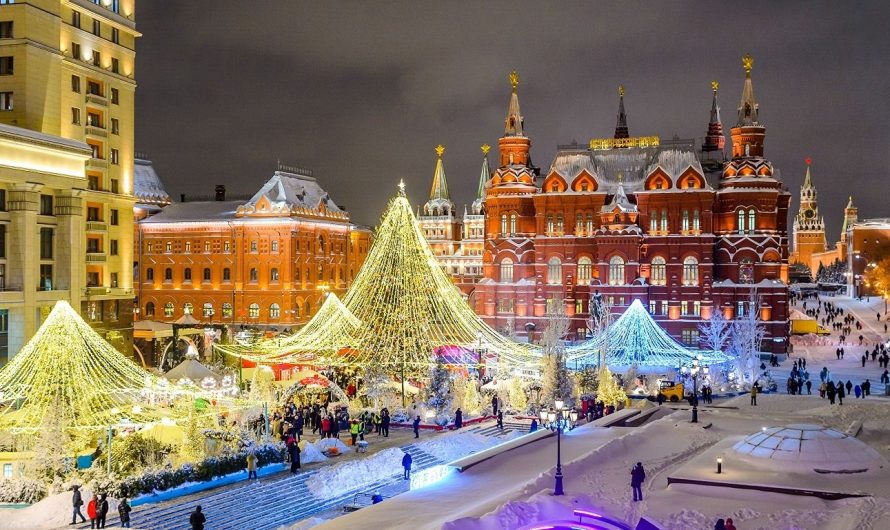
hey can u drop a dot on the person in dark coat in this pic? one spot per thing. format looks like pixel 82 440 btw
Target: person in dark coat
pixel 720 525
pixel 76 503
pixel 123 510
pixel 458 419
pixel 197 519
pixel 416 426
pixel 534 426
pixel 384 423
pixel 102 511
pixel 637 476
pixel 494 405
pixel 294 450
pixel 849 386
pixel 406 464
pixel 840 393
pixel 501 420
pixel 866 388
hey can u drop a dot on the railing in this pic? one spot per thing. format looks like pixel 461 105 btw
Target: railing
pixel 97 99
pixel 96 257
pixel 96 226
pixel 97 163
pixel 96 130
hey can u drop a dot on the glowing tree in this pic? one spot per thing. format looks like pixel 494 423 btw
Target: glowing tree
pixel 608 390
pixel 557 384
pixel 439 391
pixel 472 401
pixel 747 339
pixel 715 331
pixel 518 399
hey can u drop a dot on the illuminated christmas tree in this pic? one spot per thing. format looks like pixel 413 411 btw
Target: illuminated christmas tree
pixel 608 390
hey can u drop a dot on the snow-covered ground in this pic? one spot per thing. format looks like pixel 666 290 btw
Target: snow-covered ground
pixel 334 480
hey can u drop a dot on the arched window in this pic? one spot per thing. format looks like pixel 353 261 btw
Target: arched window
pixel 504 224
pixel 254 275
pixel 187 308
pixel 685 221
pixel 227 310
pixel 254 310
pixel 696 221
pixel 512 224
pixel 746 270
pixel 554 271
pixel 168 309
pixel 208 310
pixel 664 221
pixel 579 224
pixel 741 221
pixel 149 274
pixel 307 309
pixel 168 274
pixel 206 275
pixel 321 244
pixel 690 271
pixel 320 276
pixel 187 275
pixel 658 275
pixel 752 220
pixel 616 270
pixel 274 311
pixel 506 270
pixel 150 309
pixel 227 274
pixel 273 275
pixel 297 274
pixel 585 270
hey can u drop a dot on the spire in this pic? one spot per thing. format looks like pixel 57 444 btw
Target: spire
pixel 484 177
pixel 513 125
pixel 807 180
pixel 850 203
pixel 714 140
pixel 621 126
pixel 439 189
pixel 748 108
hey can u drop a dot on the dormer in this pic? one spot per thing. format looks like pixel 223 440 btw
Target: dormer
pixel 658 179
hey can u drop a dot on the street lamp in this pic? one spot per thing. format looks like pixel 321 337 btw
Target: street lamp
pixel 559 419
pixel 693 372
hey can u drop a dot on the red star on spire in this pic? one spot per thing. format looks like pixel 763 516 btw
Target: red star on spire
pixel 808 160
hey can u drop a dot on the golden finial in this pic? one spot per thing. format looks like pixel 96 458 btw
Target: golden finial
pixel 715 85
pixel 485 149
pixel 620 177
pixel 514 79
pixel 401 187
pixel 621 90
pixel 747 63
pixel 440 149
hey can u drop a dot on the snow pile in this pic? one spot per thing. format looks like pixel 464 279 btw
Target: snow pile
pixel 451 447
pixel 326 443
pixel 348 476
pixel 305 524
pixel 309 453
pixel 52 512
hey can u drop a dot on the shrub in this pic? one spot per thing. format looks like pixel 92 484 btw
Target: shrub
pixel 21 490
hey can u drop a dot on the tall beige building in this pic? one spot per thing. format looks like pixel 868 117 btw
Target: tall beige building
pixel 67 70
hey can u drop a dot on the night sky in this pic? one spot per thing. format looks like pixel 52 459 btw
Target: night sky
pixel 362 92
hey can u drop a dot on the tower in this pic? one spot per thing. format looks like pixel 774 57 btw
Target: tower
pixel 438 221
pixel 809 227
pixel 621 124
pixel 714 140
pixel 478 207
pixel 748 134
pixel 851 217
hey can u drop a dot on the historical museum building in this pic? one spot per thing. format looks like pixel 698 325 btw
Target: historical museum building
pixel 686 229
pixel 264 261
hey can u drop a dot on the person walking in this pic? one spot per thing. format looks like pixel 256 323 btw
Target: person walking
pixel 840 393
pixel 729 524
pixel 76 503
pixel 720 525
pixel 197 519
pixel 123 511
pixel 353 431
pixel 866 388
pixel 294 450
pixel 251 464
pixel 406 464
pixel 637 476
pixel 754 390
pixel 385 419
pixel 857 391
pixel 102 511
pixel 534 425
pixel 494 405
pixel 458 418
pixel 849 386
pixel 92 506
pixel 416 425
pixel 809 387
pixel 501 420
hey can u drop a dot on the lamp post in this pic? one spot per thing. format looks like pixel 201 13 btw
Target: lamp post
pixel 693 372
pixel 559 419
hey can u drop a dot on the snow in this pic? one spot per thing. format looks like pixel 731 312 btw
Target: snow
pixel 333 481
pixel 52 512
pixel 309 453
pixel 326 443
pixel 454 446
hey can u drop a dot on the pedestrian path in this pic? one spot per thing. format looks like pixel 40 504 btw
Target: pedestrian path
pixel 270 503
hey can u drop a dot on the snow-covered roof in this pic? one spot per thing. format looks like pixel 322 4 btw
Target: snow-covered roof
pixel 287 191
pixel 813 446
pixel 147 185
pixel 20 133
pixel 180 212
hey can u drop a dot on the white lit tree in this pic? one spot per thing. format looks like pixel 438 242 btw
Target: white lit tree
pixel 715 331
pixel 557 383
pixel 747 339
pixel 439 395
pixel 374 381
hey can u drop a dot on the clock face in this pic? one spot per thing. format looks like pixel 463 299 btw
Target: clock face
pixel 809 214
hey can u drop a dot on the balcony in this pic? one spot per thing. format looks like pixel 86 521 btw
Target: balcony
pixel 97 226
pixel 95 290
pixel 96 257
pixel 96 130
pixel 96 99
pixel 97 163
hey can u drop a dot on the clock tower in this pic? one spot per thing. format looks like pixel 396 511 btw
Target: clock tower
pixel 809 227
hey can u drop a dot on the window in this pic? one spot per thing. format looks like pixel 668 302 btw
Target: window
pixel 227 274
pixel 746 271
pixel 512 224
pixel 504 224
pixel 690 271
pixel 684 308
pixel 616 270
pixel 168 247
pixel 206 274
pixel 506 270
pixel 651 307
pixel 274 246
pixel 741 226
pixel 227 246
pixel 187 308
pixel 696 308
pixel 207 247
pixel 46 205
pixel 549 230
pixel 94 88
pixel 96 150
pixel 585 269
pixel 274 311
pixel 188 247
pixel 75 51
pixel 6 29
pixel 553 305
pixel 273 275
pixel 150 309
pixel 115 96
pixel 227 310
pixel 115 126
pixel 112 247
pixel 690 336
pixel 321 244
pixel 560 224
pixel 589 223
pixel 2 200
pixel 75 115
pixel 505 305
pixel 207 310
pixel 2 242
pixel 115 156
pixel 168 309
pixel 658 275
pixel 664 221
pixel 579 306
pixel 93 214
pixel 253 246
pixel 653 224
pixel 740 309
pixel 97 58
pixel 685 221
pixel 696 221
pixel 75 19
pixel 254 310
pixel 254 275
pixel 97 27
pixel 92 279
pixel 46 278
pixel 168 274
pixel 93 182
pixel 149 274
pixel 554 271
pixel 46 243
pixel 187 274
pixel 752 221
pixel 5 100
pixel 115 35
pixel 93 245
pixel 114 215
pixel 115 65
pixel 6 65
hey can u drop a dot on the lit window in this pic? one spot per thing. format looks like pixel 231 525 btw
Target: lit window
pixel 227 310
pixel 274 311
pixel 690 271
pixel 690 337
pixel 274 246
pixel 616 270
pixel 254 275
pixel 746 271
pixel 696 308
pixel 752 220
pixel 254 310
pixel 504 224
pixel 684 308
pixel 188 246
pixel 585 269
pixel 168 309
pixel 187 308
pixel 554 271
pixel 207 247
pixel 208 310
pixel 273 275
pixel 685 220
pixel 658 275
pixel 696 221
pixel 512 224
pixel 741 221
pixel 253 246
pixel 652 307
pixel 506 270
pixel 664 221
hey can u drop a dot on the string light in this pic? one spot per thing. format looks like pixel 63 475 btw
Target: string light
pixel 635 338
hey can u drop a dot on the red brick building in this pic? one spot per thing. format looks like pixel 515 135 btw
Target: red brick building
pixel 685 229
pixel 266 261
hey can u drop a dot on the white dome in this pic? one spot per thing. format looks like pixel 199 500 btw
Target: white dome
pixel 811 446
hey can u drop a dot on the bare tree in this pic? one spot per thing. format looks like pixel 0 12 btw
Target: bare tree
pixel 716 331
pixel 747 339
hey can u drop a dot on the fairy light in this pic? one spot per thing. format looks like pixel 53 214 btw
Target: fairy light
pixel 406 308
pixel 635 338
